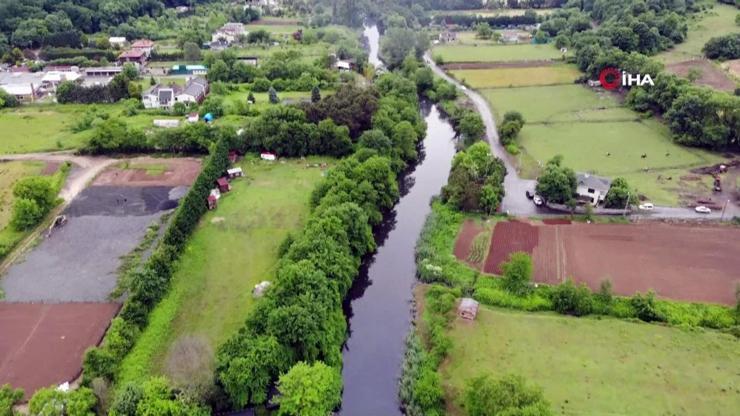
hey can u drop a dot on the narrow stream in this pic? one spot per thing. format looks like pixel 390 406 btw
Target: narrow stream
pixel 378 307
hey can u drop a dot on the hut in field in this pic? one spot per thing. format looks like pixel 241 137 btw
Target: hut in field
pixel 468 309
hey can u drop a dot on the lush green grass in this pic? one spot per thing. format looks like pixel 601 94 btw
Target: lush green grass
pixel 10 172
pixel 715 22
pixel 495 53
pixel 600 366
pixel 557 103
pixel 493 12
pixel 234 248
pixel 517 77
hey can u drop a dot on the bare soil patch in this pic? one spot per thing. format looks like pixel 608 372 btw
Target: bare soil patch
pixel 509 237
pixel 51 168
pixel 734 67
pixel 43 345
pixel 149 171
pixel 464 242
pixel 493 65
pixel 710 75
pixel 684 262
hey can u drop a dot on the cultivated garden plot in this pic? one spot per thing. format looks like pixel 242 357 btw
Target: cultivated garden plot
pixel 495 53
pixel 514 76
pixel 688 263
pixel 598 366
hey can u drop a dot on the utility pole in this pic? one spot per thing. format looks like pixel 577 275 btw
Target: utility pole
pixel 724 207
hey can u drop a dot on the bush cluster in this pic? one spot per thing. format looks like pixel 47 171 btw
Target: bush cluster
pixel 476 181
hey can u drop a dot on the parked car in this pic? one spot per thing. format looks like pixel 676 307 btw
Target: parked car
pixel 647 206
pixel 537 200
pixel 701 209
pixel 529 194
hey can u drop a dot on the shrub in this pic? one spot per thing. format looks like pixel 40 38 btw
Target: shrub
pixel 9 397
pixel 53 402
pixel 510 395
pixel 644 307
pixel 517 273
pixel 569 299
pixel 309 390
pixel 26 214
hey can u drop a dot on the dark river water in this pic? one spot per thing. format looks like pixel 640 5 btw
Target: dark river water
pixel 378 307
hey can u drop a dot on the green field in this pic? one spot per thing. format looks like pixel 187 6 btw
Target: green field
pixel 234 248
pixel 493 12
pixel 599 366
pixel 10 172
pixel 584 125
pixel 712 23
pixel 517 77
pixel 495 53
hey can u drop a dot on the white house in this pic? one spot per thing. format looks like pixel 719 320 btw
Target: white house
pixel 591 188
pixel 117 41
pixel 195 91
pixel 228 33
pixel 343 66
pixel 165 96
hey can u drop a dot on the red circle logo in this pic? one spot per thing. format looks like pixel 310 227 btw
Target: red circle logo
pixel 610 78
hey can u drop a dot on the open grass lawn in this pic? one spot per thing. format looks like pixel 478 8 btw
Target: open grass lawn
pixel 517 77
pixel 557 103
pixel 10 172
pixel 35 128
pixel 718 21
pixel 494 53
pixel 599 367
pixel 234 248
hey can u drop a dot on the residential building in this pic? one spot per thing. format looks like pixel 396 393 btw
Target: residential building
pixel 447 36
pixel 144 45
pixel 343 66
pixel 228 33
pixel 135 56
pixel 24 93
pixel 103 71
pixel 592 189
pixel 195 90
pixel 117 41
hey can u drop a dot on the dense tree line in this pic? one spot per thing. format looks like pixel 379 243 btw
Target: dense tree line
pixel 300 318
pixel 476 180
pixel 468 20
pixel 723 47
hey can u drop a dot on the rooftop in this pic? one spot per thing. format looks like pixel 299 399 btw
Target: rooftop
pixel 598 183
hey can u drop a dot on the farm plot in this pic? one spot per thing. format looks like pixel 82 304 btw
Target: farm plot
pixel 717 21
pixel 689 263
pixel 234 248
pixel 517 76
pixel 495 53
pixel 472 243
pixel 612 367
pixel 709 74
pixel 43 345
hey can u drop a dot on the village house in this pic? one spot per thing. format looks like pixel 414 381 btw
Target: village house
pixel 117 41
pixel 228 33
pixel 134 56
pixel 195 90
pixel 447 36
pixel 144 45
pixel 592 189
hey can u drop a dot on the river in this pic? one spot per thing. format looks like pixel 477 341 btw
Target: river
pixel 378 307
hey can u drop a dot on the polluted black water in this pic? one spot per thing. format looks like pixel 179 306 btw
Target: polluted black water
pixel 378 307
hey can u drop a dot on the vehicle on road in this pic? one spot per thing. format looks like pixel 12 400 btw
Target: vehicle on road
pixel 537 200
pixel 701 209
pixel 648 206
pixel 529 194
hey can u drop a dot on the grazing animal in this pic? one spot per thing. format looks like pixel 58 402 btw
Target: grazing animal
pixel 644 155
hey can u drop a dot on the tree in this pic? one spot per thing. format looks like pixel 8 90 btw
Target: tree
pixel 723 47
pixel 476 180
pixel 53 402
pixel 557 183
pixel 510 395
pixel 397 44
pixel 510 126
pixel 620 195
pixel 517 273
pixel 315 94
pixel 38 189
pixel 273 96
pixel 214 105
pixel 471 127
pixel 9 397
pixel 191 51
pixel 219 71
pixel 309 390
pixel 483 31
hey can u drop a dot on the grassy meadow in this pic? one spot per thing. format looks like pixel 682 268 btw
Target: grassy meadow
pixel 234 248
pixel 35 128
pixel 10 172
pixel 496 53
pixel 517 77
pixel 717 21
pixel 612 367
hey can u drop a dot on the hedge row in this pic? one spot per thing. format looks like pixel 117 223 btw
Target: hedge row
pixel 151 283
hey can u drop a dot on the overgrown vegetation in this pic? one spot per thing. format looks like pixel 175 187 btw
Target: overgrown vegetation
pixel 476 180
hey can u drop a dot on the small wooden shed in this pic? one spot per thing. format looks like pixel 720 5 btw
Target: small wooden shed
pixel 223 185
pixel 235 173
pixel 212 201
pixel 468 309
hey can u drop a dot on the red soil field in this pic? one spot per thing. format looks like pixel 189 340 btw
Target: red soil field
pixel 683 262
pixel 43 344
pixel 179 172
pixel 509 237
pixel 465 238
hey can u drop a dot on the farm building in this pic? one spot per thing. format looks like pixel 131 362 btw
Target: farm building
pixel 235 173
pixel 223 185
pixel 592 188
pixel 144 45
pixel 212 201
pixel 267 156
pixel 343 66
pixel 468 309
pixel 188 70
pixel 135 56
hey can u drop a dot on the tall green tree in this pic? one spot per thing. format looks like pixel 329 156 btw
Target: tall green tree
pixel 557 183
pixel 309 390
pixel 509 395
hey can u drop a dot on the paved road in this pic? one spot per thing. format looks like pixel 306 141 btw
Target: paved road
pixel 516 203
